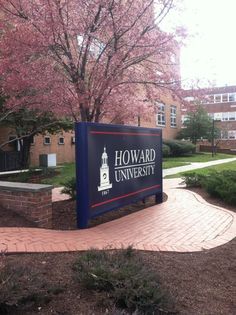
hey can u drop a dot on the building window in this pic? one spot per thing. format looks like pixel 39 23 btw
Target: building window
pixel 224 98
pixel 217 116
pixel 161 118
pixel 173 112
pixel 225 116
pixel 217 98
pixel 232 134
pixel 47 140
pixel 232 115
pixel 232 97
pixel 73 139
pixel 224 134
pixel 208 99
pixel 61 140
pixel 229 116
pixel 32 141
pixel 228 135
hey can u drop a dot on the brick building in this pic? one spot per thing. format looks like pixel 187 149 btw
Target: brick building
pixel 220 104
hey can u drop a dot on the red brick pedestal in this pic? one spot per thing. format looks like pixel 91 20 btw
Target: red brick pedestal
pixel 31 201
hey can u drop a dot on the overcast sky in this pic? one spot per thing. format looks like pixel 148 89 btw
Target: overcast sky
pixel 210 51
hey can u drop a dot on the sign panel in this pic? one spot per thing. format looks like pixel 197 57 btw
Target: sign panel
pixel 116 165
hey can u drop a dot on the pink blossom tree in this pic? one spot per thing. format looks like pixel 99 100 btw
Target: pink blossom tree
pixel 93 60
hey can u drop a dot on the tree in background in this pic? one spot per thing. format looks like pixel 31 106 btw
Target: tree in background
pixel 25 124
pixel 198 125
pixel 91 59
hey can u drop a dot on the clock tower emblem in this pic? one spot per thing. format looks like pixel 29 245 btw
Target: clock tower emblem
pixel 104 173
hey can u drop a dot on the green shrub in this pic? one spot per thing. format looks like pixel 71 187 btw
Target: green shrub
pixel 123 279
pixel 193 179
pixel 165 150
pixel 70 188
pixel 222 185
pixel 179 148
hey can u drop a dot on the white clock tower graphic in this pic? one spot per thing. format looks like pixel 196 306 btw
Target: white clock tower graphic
pixel 104 173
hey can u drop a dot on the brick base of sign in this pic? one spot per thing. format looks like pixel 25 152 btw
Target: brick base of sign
pixel 32 201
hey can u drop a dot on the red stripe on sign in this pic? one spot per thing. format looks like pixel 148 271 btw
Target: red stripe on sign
pixel 124 196
pixel 114 133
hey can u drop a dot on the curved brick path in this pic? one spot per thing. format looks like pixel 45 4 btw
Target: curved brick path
pixel 184 223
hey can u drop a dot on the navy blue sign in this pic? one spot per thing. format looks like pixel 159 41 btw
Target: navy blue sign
pixel 116 165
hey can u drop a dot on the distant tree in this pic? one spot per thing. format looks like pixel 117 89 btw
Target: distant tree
pixel 25 124
pixel 198 125
pixel 94 59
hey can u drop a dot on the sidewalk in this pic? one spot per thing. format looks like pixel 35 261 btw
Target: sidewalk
pixel 184 223
pixel 194 166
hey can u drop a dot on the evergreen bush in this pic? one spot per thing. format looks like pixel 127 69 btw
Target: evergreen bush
pixel 180 148
pixel 123 279
pixel 165 150
pixel 222 185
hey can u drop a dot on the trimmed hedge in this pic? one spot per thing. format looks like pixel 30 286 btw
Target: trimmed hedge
pixel 165 150
pixel 221 185
pixel 180 148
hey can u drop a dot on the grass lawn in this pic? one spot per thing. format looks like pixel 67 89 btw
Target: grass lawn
pixel 205 170
pixel 199 157
pixel 65 172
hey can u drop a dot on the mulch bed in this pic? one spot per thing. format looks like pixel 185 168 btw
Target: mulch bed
pixel 199 283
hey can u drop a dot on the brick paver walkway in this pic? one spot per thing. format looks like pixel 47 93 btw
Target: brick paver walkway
pixel 184 223
pixel 57 195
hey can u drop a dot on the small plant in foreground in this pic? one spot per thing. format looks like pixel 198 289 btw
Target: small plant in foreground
pixel 123 277
pixel 193 179
pixel 70 188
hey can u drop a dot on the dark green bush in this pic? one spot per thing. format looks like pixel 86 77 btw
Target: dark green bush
pixel 222 185
pixel 193 179
pixel 165 150
pixel 70 188
pixel 123 278
pixel 180 148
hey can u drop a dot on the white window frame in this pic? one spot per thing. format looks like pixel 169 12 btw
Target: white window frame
pixel 73 139
pixel 232 116
pixel 161 115
pixel 234 97
pixel 61 140
pixel 44 140
pixel 33 141
pixel 232 134
pixel 216 96
pixel 173 116
pixel 224 135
